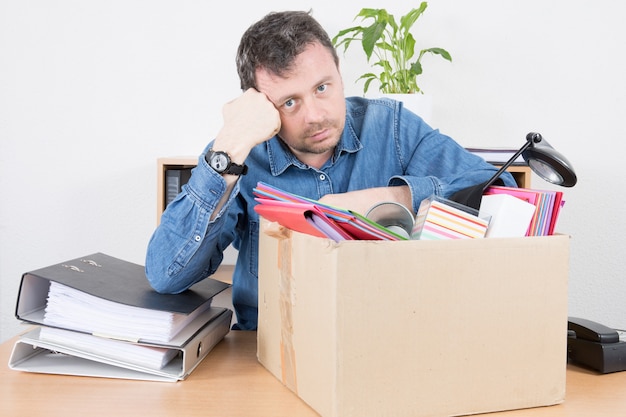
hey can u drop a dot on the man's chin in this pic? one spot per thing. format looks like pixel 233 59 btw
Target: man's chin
pixel 322 146
pixel 313 147
pixel 319 150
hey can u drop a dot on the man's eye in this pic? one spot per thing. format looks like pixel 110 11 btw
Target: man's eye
pixel 322 88
pixel 289 103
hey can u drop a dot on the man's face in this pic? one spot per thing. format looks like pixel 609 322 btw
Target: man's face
pixel 311 104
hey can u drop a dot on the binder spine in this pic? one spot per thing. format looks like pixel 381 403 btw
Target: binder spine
pixel 200 346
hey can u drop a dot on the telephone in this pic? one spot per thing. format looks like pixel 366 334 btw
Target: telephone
pixel 595 346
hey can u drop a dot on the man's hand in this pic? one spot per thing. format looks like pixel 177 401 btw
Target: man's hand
pixel 362 200
pixel 249 120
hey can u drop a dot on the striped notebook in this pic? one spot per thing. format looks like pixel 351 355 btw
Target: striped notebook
pixel 439 218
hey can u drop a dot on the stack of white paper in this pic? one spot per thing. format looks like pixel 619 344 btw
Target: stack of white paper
pixel 141 355
pixel 510 216
pixel 98 316
pixel 69 308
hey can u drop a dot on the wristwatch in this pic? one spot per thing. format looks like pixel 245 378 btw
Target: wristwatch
pixel 222 164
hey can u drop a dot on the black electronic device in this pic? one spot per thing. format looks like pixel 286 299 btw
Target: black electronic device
pixel 595 346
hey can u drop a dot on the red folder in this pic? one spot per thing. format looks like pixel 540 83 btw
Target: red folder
pixel 292 211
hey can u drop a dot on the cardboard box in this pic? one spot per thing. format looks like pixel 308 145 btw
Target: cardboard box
pixel 414 328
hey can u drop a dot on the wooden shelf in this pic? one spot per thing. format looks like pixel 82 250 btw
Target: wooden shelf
pixel 164 164
pixel 521 174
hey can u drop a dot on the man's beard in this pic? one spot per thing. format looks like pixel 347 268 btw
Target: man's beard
pixel 303 146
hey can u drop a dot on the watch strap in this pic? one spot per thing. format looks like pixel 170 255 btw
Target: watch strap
pixel 231 167
pixel 236 169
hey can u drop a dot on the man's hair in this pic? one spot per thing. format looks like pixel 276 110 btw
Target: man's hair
pixel 275 41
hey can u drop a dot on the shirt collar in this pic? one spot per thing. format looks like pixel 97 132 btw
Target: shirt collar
pixel 280 157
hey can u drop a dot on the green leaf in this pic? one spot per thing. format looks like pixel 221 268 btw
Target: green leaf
pixel 386 46
pixel 393 46
pixel 408 47
pixel 344 32
pixel 348 35
pixel 408 20
pixel 366 13
pixel 391 21
pixel 368 75
pixel 439 51
pixel 371 35
pixel 366 86
pixel 386 66
pixel 416 68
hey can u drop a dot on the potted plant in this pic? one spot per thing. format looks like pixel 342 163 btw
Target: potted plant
pixel 394 48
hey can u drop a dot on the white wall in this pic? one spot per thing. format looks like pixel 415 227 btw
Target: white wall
pixel 93 92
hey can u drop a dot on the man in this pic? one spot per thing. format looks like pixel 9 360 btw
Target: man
pixel 293 128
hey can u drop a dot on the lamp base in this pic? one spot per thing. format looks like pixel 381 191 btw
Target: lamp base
pixel 472 196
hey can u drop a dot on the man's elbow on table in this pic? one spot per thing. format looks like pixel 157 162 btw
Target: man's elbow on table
pixel 160 280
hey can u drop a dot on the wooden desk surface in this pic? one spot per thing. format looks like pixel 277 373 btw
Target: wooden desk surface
pixel 230 382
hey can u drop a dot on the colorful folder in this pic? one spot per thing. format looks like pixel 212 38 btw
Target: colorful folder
pixel 316 218
pixel 548 206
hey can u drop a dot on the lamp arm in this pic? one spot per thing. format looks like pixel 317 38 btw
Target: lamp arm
pixel 507 164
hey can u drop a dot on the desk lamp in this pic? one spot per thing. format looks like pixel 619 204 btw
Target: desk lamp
pixel 541 157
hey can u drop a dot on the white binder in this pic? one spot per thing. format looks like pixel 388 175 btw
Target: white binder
pixel 31 354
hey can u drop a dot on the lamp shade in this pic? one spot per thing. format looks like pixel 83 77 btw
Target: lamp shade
pixel 541 157
pixel 549 164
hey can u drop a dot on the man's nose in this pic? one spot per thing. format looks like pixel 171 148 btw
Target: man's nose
pixel 313 110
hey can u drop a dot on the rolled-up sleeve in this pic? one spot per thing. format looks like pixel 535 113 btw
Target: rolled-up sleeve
pixel 188 246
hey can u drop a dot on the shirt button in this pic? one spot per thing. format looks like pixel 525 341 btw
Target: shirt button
pixel 197 238
pixel 322 177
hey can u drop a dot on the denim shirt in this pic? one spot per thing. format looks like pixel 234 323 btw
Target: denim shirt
pixel 383 144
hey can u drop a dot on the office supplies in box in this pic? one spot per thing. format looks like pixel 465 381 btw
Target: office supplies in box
pixel 510 216
pixel 419 328
pixel 439 218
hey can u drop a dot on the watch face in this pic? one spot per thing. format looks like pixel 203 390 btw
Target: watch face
pixel 219 161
